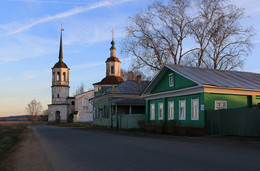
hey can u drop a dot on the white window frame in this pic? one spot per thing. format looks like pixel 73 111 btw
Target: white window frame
pixel 160 118
pixel 198 109
pixel 182 118
pixel 152 114
pixel 220 101
pixel 171 85
pixel 169 114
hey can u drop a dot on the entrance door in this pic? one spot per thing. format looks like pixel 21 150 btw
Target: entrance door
pixel 58 117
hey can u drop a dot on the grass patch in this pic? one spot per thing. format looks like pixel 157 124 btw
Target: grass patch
pixel 9 137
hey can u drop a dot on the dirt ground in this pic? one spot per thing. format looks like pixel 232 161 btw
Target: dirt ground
pixel 28 155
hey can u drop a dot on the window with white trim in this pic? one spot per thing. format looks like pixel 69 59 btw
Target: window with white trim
pixel 171 110
pixel 182 110
pixel 194 109
pixel 220 104
pixel 152 112
pixel 160 111
pixel 171 80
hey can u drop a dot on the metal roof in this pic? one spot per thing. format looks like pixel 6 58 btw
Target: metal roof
pixel 127 101
pixel 220 78
pixel 131 87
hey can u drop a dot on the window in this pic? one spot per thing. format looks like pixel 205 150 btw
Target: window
pixel 171 80
pixel 182 110
pixel 194 109
pixel 58 76
pixel 112 70
pixel 220 104
pixel 171 110
pixel 160 111
pixel 64 76
pixel 58 95
pixel 152 112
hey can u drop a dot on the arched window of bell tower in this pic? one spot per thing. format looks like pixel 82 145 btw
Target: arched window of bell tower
pixel 112 70
pixel 64 76
pixel 58 76
pixel 53 76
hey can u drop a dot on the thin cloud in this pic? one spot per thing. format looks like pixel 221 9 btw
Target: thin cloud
pixel 71 12
pixel 50 2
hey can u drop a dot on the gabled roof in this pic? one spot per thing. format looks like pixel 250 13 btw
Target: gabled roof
pixel 131 87
pixel 219 78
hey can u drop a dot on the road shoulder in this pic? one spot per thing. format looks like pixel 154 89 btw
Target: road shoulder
pixel 28 154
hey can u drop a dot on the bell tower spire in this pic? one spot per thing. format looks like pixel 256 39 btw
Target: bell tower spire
pixel 61 50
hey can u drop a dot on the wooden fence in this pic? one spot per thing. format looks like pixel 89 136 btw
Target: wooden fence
pixel 242 122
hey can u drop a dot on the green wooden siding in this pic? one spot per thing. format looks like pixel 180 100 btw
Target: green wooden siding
pixel 102 121
pixel 179 82
pixel 187 121
pixel 233 101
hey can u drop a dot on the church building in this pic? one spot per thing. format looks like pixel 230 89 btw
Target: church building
pixel 62 105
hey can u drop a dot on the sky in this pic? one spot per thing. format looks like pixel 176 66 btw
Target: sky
pixel 29 44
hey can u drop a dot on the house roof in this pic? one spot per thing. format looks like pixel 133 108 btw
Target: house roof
pixel 219 78
pixel 127 101
pixel 131 87
pixel 108 80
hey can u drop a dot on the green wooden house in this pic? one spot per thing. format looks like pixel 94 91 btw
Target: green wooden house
pixel 120 106
pixel 184 94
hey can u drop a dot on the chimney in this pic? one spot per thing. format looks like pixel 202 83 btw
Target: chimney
pixel 138 79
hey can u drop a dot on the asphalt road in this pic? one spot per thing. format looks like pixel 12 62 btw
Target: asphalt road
pixel 75 149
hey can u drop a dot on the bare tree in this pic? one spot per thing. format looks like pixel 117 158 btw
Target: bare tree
pixel 222 41
pixel 80 89
pixel 34 109
pixel 155 36
pixel 132 75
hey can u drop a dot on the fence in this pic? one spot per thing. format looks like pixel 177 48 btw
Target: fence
pixel 127 121
pixel 242 122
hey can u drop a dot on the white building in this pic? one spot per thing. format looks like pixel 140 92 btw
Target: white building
pixel 63 107
pixel 83 107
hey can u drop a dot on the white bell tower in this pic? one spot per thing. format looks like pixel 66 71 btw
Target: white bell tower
pixel 58 110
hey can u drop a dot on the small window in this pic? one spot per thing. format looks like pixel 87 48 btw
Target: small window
pixel 171 80
pixel 220 105
pixel 72 103
pixel 194 109
pixel 160 111
pixel 171 110
pixel 152 112
pixel 182 110
pixel 112 70
pixel 58 95
pixel 58 76
pixel 64 76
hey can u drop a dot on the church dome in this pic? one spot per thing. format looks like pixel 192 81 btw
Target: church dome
pixel 60 64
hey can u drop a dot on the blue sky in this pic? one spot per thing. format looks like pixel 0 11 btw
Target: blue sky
pixel 29 44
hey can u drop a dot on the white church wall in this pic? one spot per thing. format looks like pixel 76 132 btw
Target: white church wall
pixel 83 107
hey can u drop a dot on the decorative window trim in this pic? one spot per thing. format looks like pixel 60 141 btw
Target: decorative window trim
pixel 220 101
pixel 195 118
pixel 152 117
pixel 160 118
pixel 169 117
pixel 171 85
pixel 182 118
